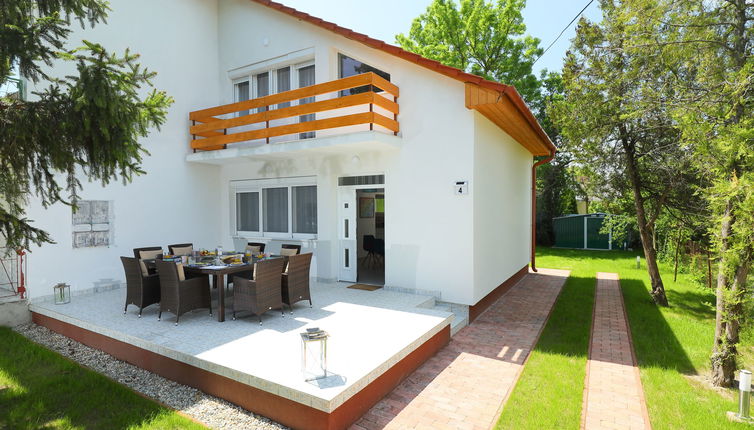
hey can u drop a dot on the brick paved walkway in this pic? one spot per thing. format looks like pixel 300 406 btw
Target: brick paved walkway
pixel 613 396
pixel 465 384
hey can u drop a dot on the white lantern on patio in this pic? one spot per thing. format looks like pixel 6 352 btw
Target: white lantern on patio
pixel 314 354
pixel 62 293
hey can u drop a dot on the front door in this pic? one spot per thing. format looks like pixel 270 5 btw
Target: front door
pixel 347 243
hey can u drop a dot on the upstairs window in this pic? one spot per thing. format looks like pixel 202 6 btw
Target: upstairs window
pixel 348 66
pixel 241 90
pixel 263 88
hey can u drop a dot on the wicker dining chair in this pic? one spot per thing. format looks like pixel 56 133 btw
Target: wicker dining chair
pixel 296 280
pixel 179 296
pixel 181 249
pixel 262 293
pixel 148 253
pixel 291 248
pixel 255 246
pixel 141 290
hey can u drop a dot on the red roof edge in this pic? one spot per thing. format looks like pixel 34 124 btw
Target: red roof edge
pixel 433 65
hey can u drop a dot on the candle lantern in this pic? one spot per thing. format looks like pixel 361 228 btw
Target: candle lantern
pixel 314 354
pixel 62 293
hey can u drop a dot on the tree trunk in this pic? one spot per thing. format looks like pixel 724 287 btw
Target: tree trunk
pixel 677 247
pixel 723 352
pixel 729 308
pixel 647 243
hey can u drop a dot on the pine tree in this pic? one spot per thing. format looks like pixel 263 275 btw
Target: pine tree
pixel 84 126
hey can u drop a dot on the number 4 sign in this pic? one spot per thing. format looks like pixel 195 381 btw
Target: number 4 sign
pixel 461 187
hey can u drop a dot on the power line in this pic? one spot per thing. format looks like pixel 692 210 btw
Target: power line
pixel 563 31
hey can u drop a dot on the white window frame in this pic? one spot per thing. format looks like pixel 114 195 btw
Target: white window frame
pixel 235 99
pixel 294 60
pixel 358 58
pixel 259 185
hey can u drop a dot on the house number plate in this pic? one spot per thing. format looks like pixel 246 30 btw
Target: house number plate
pixel 461 187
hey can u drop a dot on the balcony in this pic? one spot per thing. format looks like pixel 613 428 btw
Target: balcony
pixel 289 121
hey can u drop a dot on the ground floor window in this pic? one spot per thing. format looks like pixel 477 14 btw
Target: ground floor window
pixel 276 208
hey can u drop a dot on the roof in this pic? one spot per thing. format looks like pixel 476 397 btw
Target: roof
pixel 535 139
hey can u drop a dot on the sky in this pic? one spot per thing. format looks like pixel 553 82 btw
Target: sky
pixel 383 19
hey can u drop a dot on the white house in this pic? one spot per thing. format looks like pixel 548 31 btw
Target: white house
pixel 435 163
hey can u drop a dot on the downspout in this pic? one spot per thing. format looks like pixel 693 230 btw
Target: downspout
pixel 534 208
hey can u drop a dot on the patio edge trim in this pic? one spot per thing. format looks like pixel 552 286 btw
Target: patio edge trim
pixel 281 409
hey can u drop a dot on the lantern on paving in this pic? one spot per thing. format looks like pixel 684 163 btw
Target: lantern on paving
pixel 62 293
pixel 314 354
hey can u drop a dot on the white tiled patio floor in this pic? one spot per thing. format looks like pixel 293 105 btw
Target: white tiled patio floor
pixel 370 331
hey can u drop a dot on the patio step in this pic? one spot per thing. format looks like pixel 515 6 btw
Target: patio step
pixel 460 315
pixel 458 324
pixel 460 312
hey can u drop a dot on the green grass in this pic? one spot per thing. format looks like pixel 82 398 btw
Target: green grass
pixel 40 389
pixel 672 347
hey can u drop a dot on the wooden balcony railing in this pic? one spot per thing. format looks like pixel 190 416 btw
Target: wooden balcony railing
pixel 211 133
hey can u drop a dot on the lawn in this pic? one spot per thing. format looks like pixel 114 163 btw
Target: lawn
pixel 672 347
pixel 41 389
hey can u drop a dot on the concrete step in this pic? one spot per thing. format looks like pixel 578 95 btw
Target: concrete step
pixel 458 324
pixel 13 313
pixel 460 315
pixel 428 304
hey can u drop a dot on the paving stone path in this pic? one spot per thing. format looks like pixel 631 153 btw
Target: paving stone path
pixel 465 384
pixel 613 395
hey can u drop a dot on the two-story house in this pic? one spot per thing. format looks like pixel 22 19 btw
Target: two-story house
pixel 290 129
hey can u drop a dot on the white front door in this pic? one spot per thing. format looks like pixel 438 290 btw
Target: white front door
pixel 347 244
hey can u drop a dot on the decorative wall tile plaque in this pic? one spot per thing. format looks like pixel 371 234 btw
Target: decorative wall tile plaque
pixel 93 224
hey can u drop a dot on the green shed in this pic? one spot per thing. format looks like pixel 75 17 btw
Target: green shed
pixel 581 232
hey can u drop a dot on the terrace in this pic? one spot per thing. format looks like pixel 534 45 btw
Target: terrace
pixel 376 338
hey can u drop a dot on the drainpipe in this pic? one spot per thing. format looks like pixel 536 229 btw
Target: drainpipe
pixel 534 208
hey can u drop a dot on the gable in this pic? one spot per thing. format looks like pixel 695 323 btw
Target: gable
pixel 500 103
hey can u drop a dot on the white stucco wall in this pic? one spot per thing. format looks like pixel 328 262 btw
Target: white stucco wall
pixel 502 206
pixel 459 246
pixel 428 230
pixel 174 201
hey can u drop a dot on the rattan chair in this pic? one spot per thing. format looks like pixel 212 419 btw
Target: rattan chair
pixel 249 274
pixel 296 280
pixel 137 251
pixel 257 245
pixel 176 249
pixel 290 246
pixel 180 296
pixel 261 294
pixel 148 253
pixel 141 290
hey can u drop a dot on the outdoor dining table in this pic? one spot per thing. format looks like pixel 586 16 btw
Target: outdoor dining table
pixel 218 278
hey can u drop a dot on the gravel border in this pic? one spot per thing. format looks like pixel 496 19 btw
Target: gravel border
pixel 211 411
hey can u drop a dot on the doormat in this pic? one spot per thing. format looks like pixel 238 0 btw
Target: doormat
pixel 364 287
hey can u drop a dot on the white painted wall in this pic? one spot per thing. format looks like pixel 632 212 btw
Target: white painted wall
pixel 175 201
pixel 501 190
pixel 424 237
pixel 458 246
